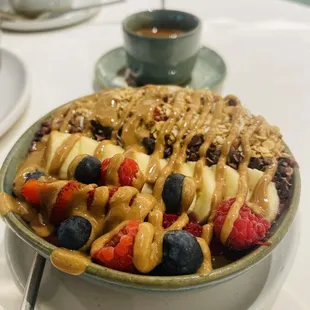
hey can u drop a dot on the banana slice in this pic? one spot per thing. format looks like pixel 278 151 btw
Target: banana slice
pixel 274 201
pixel 88 145
pixel 187 170
pixel 84 145
pixel 75 151
pixel 201 209
pixel 231 179
pixel 142 160
pixel 55 140
pixel 147 189
pixel 110 150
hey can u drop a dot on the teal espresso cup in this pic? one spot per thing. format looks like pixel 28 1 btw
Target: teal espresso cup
pixel 161 46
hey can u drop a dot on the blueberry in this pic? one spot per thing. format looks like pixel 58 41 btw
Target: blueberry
pixel 149 144
pixel 181 253
pixel 172 192
pixel 33 175
pixel 88 170
pixel 74 232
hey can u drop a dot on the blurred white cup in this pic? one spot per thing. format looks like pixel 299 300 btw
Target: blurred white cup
pixel 33 7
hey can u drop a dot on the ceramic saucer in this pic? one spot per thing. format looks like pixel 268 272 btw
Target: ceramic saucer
pixel 62 21
pixel 14 89
pixel 209 70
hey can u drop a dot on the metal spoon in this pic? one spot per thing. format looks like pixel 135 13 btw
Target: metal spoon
pixel 33 283
pixel 54 13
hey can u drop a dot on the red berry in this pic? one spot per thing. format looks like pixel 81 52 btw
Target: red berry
pixel 61 207
pixel 191 227
pixel 249 228
pixel 112 191
pixel 90 198
pixel 169 219
pixel 118 252
pixel 31 191
pixel 127 172
pixel 104 168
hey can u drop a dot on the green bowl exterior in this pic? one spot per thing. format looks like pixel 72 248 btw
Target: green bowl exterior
pixel 126 280
pixel 162 60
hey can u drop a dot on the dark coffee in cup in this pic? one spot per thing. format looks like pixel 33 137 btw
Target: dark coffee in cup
pixel 162 46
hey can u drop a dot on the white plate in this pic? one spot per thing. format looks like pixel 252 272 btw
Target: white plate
pixel 256 289
pixel 14 89
pixel 65 20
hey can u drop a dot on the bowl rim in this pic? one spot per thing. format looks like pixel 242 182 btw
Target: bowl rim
pixel 147 282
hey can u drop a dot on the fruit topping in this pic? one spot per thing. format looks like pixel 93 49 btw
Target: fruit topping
pixel 181 253
pixel 249 228
pixel 60 209
pixel 104 168
pixel 74 232
pixel 117 253
pixel 88 170
pixel 112 191
pixel 127 174
pixel 31 191
pixel 34 175
pixel 149 144
pixel 191 227
pixel 173 196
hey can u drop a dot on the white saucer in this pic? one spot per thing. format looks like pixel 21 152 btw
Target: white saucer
pixel 14 89
pixel 256 291
pixel 62 21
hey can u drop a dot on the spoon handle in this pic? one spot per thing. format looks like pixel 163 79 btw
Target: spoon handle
pixel 33 283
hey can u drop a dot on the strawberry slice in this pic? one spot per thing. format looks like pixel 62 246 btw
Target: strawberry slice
pixel 60 209
pixel 104 168
pixel 118 252
pixel 31 191
pixel 112 191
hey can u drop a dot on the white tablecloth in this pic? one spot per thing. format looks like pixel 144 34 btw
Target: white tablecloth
pixel 266 46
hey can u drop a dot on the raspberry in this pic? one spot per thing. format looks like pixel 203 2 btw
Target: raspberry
pixel 31 191
pixel 249 229
pixel 118 252
pixel 169 219
pixel 127 172
pixel 104 168
pixel 60 209
pixel 191 227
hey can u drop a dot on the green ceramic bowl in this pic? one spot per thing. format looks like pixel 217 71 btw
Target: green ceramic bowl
pixel 157 60
pixel 149 283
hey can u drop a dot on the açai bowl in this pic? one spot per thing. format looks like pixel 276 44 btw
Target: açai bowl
pixel 158 188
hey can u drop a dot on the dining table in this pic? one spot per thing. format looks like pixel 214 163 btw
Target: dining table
pixel 266 47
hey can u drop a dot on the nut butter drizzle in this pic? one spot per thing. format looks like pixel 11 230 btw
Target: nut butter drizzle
pixel 154 169
pixel 260 193
pixel 208 139
pixel 62 152
pixel 242 192
pixel 184 125
pixel 217 196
